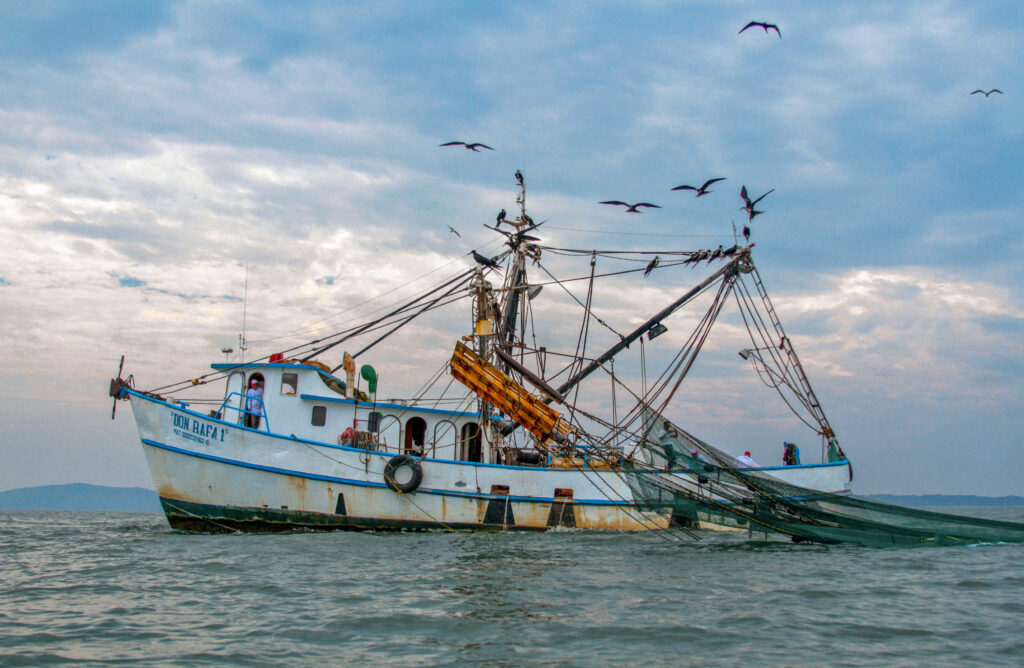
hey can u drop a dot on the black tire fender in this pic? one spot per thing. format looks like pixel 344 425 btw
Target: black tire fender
pixel 391 472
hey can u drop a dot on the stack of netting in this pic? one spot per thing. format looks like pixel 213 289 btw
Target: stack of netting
pixel 707 489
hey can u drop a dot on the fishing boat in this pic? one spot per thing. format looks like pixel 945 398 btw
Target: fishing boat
pixel 287 441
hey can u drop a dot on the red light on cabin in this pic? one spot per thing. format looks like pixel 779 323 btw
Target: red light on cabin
pixel 277 357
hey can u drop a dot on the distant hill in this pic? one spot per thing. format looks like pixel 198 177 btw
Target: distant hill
pixel 921 500
pixel 79 496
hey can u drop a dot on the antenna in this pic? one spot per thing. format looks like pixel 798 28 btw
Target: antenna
pixel 245 303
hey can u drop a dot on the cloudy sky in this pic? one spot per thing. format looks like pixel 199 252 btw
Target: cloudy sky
pixel 150 152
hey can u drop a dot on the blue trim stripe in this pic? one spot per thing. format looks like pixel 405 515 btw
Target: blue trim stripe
pixel 843 462
pixel 363 483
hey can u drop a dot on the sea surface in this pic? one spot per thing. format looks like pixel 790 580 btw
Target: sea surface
pixel 107 588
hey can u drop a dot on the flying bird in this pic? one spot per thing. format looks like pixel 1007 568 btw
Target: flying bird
pixel 994 90
pixel 749 205
pixel 501 217
pixel 703 190
pixel 485 261
pixel 454 231
pixel 766 26
pixel 475 146
pixel 631 208
pixel 651 265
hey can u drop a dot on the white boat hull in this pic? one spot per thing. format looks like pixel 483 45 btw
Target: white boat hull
pixel 214 475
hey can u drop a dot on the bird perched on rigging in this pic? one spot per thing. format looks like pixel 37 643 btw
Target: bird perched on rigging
pixel 746 234
pixel 651 265
pixel 483 260
pixel 697 256
pixel 475 146
pixel 501 217
pixel 519 177
pixel 454 231
pixel 994 90
pixel 703 190
pixel 631 208
pixel 749 205
pixel 761 24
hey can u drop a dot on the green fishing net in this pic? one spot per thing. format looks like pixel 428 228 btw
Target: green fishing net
pixel 707 490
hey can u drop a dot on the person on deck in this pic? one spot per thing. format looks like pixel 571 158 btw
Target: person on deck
pixel 745 461
pixel 790 454
pixel 699 455
pixel 667 437
pixel 253 404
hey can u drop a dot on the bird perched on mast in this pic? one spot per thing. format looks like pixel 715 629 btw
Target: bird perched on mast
pixel 501 217
pixel 703 190
pixel 485 261
pixel 519 177
pixel 631 208
pixel 651 265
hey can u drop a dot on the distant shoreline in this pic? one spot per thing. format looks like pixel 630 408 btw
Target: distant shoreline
pixel 84 496
pixel 80 496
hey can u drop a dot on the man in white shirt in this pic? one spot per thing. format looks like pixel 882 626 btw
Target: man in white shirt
pixel 667 438
pixel 253 404
pixel 745 461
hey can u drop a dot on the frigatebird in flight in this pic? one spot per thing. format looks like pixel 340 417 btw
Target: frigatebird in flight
pixel 766 26
pixel 703 190
pixel 994 90
pixel 651 265
pixel 631 208
pixel 454 231
pixel 749 205
pixel 475 146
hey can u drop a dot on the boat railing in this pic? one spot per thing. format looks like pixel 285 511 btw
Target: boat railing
pixel 244 410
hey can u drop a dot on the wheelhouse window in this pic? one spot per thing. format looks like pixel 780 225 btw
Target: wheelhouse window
pixel 319 416
pixel 289 384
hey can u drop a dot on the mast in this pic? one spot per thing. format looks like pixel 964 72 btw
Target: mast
pixel 245 307
pixel 514 298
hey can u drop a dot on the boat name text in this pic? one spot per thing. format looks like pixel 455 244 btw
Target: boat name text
pixel 193 430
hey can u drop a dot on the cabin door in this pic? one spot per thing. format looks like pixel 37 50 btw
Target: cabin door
pixel 470 443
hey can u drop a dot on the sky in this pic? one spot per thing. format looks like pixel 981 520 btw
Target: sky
pixel 170 169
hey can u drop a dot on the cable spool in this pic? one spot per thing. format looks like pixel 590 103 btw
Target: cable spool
pixel 403 474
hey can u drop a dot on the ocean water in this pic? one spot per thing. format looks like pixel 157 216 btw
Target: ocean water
pixel 122 588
